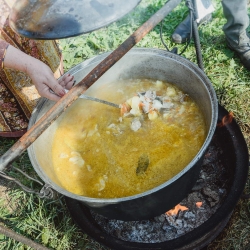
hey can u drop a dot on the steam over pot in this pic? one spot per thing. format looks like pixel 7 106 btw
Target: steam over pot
pixel 138 63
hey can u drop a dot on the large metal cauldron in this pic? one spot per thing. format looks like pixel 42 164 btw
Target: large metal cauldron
pixel 138 63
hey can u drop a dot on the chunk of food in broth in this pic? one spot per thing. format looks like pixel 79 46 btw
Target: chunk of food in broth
pixel 97 150
pixel 76 159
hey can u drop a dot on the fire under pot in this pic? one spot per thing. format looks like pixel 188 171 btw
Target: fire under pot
pixel 200 216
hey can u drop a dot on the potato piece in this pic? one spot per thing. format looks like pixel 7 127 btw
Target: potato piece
pixel 152 115
pixel 135 112
pixel 135 104
pixel 129 102
pixel 159 84
pixel 171 92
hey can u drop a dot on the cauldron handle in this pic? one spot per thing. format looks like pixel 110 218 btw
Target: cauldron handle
pixel 45 192
pixel 35 131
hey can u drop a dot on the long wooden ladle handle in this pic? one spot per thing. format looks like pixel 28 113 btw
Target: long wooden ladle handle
pixel 37 129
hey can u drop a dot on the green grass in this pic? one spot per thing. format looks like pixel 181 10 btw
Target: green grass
pixel 48 221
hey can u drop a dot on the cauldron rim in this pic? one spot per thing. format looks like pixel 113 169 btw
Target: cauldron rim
pixel 100 202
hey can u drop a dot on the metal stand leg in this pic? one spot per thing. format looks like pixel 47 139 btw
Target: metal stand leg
pixel 192 8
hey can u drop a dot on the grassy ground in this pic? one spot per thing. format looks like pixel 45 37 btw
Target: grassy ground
pixel 48 222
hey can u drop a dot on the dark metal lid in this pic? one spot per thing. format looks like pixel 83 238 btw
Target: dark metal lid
pixel 54 19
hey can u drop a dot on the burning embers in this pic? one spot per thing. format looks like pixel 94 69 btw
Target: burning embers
pixel 175 210
pixel 205 198
pixel 226 120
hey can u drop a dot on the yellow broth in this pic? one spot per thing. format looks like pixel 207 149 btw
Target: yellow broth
pixel 95 152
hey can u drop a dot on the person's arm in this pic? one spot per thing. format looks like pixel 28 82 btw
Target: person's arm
pixel 40 74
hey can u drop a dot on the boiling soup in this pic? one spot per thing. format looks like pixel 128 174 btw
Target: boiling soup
pixel 99 151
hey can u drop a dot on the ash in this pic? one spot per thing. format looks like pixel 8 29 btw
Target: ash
pixel 210 189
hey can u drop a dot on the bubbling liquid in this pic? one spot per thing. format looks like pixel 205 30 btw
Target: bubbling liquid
pixel 96 151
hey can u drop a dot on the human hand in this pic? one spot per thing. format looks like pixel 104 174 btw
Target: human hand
pixel 44 80
pixel 40 74
pixel 67 81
